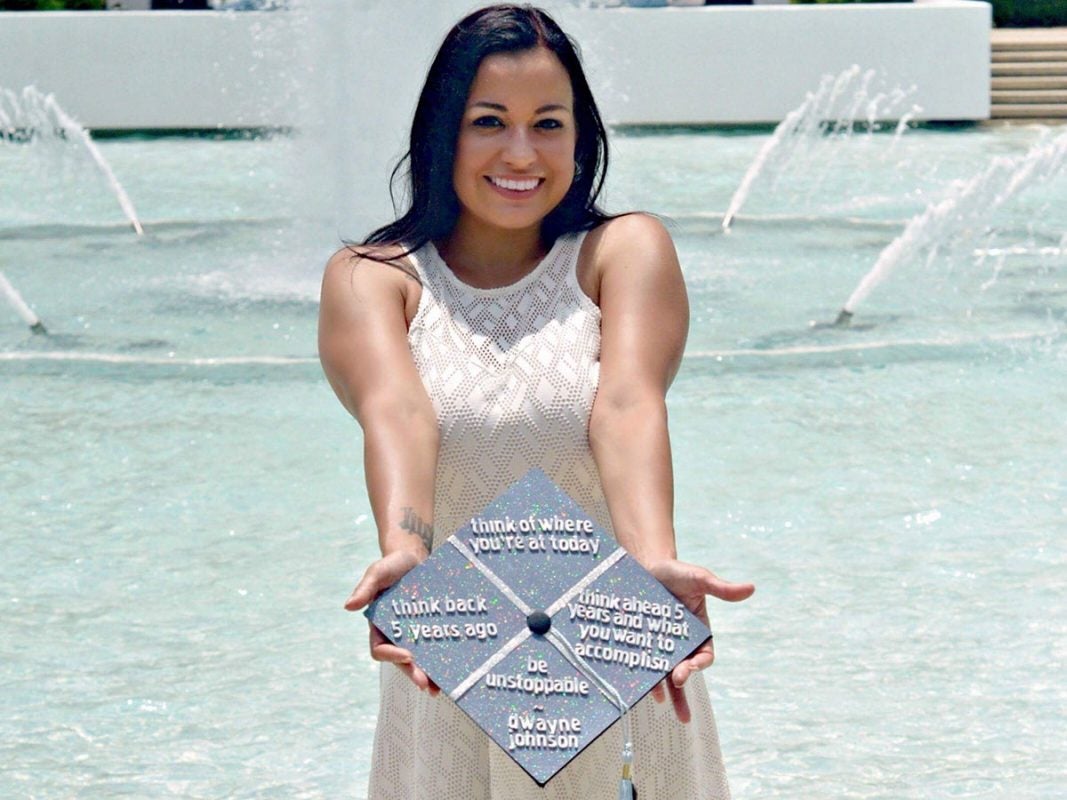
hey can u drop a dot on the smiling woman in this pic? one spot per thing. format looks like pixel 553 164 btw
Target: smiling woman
pixel 505 323
pixel 514 162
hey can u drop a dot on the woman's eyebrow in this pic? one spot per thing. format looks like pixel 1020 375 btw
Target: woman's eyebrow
pixel 502 107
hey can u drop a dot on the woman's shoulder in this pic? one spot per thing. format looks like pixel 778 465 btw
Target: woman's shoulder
pixel 372 274
pixel 371 258
pixel 637 240
pixel 631 223
pixel 622 234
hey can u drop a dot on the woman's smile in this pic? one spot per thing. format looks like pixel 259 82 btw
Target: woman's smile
pixel 515 187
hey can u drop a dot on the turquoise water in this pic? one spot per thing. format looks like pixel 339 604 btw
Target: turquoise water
pixel 183 509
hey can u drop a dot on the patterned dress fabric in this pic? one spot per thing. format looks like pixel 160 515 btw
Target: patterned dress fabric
pixel 512 373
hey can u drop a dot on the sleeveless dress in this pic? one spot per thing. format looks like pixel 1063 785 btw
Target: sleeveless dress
pixel 512 373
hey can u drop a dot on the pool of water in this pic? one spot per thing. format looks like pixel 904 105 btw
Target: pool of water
pixel 183 512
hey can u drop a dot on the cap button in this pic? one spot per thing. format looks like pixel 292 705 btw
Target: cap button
pixel 539 622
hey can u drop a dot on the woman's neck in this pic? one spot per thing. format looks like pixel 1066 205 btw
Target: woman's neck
pixel 489 259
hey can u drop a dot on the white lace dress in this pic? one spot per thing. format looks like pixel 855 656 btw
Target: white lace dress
pixel 512 373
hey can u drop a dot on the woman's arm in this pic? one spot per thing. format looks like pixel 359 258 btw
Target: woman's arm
pixel 644 324
pixel 364 352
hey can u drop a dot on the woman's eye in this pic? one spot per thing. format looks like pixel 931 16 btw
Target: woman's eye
pixel 487 121
pixel 549 124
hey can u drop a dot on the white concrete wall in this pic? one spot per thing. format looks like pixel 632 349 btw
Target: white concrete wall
pixel 749 64
pixel 155 69
pixel 716 65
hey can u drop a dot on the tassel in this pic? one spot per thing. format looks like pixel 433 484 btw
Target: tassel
pixel 626 786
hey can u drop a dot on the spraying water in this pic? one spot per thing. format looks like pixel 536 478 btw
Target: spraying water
pixel 33 114
pixel 20 306
pixel 964 212
pixel 832 109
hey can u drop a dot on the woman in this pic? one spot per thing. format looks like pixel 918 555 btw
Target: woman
pixel 504 323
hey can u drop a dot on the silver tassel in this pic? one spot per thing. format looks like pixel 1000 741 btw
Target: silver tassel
pixel 626 786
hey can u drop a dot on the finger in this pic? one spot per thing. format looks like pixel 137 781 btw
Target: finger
pixel 680 674
pixel 727 590
pixel 376 636
pixel 690 580
pixel 659 694
pixel 416 675
pixel 707 582
pixel 366 590
pixel 360 597
pixel 381 649
pixel 380 575
pixel 387 651
pixel 679 701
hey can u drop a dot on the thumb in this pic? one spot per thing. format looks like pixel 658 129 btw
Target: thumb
pixel 727 590
pixel 365 591
pixel 379 576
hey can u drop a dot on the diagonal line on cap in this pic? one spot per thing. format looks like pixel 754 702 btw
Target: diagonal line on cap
pixel 491 662
pixel 488 573
pixel 589 577
pixel 512 643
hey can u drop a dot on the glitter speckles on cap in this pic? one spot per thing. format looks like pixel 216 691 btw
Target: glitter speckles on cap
pixel 537 624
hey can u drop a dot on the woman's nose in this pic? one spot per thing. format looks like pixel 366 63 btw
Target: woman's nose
pixel 519 151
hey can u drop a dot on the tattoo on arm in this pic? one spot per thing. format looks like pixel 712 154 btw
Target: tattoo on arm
pixel 417 526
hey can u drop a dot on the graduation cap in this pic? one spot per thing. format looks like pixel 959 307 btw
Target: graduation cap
pixel 538 625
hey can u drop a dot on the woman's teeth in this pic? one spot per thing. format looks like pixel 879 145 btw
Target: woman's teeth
pixel 516 186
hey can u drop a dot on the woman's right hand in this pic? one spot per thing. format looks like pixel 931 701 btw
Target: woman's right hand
pixel 379 576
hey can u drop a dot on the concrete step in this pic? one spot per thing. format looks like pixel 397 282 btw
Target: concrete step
pixel 1031 82
pixel 1029 55
pixel 1025 121
pixel 1028 111
pixel 1057 96
pixel 1022 47
pixel 1028 38
pixel 1043 68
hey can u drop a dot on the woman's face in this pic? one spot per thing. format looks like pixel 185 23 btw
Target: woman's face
pixel 515 150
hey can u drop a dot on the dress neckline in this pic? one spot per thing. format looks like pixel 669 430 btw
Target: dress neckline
pixel 530 276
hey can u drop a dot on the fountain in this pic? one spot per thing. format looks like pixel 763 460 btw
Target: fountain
pixel 177 439
pixel 832 110
pixel 30 116
pixel 963 212
pixel 20 306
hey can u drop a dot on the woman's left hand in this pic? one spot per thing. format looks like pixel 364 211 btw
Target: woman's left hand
pixel 692 584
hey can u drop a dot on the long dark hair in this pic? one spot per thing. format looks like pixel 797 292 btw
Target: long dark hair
pixel 426 168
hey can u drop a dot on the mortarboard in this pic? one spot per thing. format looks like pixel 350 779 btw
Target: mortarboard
pixel 538 625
